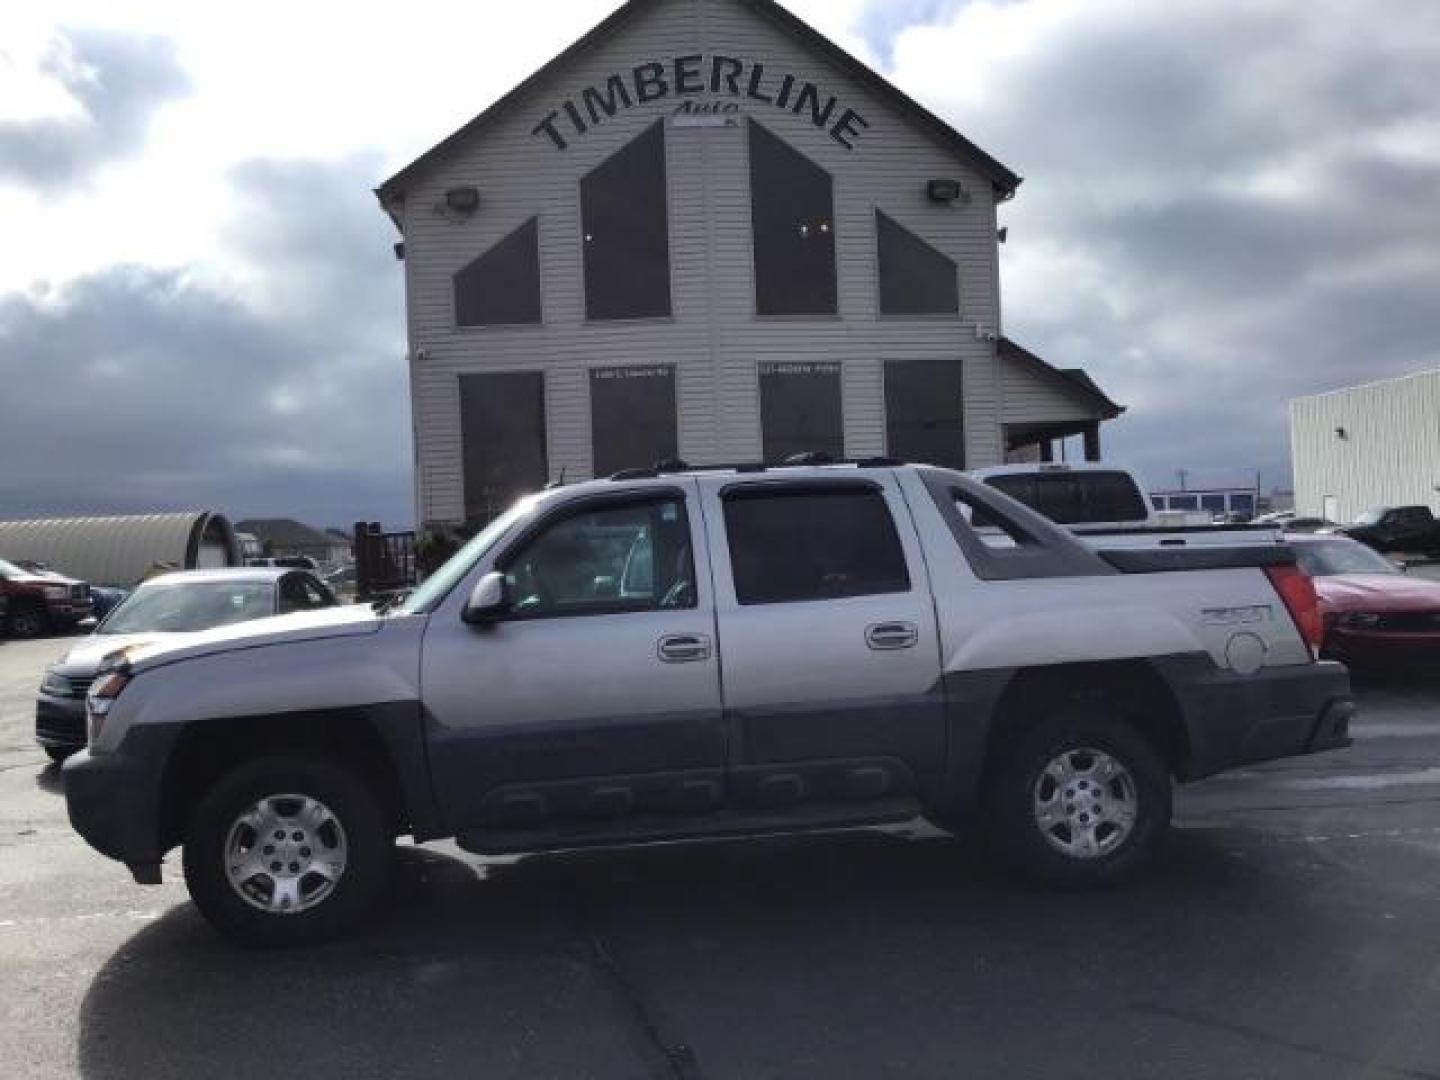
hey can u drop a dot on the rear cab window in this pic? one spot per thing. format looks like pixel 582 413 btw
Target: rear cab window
pixel 1083 497
pixel 798 543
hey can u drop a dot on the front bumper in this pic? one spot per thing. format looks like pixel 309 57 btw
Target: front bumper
pixel 114 800
pixel 60 722
pixel 1278 712
pixel 69 611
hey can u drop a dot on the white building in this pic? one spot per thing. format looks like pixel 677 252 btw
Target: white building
pixel 705 232
pixel 1366 446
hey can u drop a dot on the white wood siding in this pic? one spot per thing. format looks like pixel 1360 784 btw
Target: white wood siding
pixel 1028 397
pixel 714 337
pixel 1390 455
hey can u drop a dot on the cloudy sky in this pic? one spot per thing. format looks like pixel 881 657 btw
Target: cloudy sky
pixel 1226 205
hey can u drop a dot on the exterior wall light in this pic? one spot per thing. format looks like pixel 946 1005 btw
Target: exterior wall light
pixel 462 200
pixel 947 191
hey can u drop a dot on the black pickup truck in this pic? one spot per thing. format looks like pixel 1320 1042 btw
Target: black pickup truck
pixel 1397 530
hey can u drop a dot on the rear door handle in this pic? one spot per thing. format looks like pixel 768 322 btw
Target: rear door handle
pixel 684 648
pixel 891 635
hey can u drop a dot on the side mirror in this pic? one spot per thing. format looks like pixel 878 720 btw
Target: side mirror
pixel 489 600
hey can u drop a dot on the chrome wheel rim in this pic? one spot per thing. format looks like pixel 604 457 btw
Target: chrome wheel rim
pixel 285 854
pixel 1085 803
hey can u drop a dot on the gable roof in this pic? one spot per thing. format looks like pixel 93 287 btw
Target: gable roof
pixel 1003 180
pixel 1074 380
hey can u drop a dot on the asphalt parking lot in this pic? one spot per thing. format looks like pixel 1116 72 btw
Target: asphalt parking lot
pixel 1291 929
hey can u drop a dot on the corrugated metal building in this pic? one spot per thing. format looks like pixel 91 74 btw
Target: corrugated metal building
pixel 1367 446
pixel 706 232
pixel 122 550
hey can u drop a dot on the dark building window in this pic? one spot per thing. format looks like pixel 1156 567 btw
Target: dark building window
pixel 800 410
pixel 924 412
pixel 502 286
pixel 792 212
pixel 627 232
pixel 915 279
pixel 813 544
pixel 632 417
pixel 502 430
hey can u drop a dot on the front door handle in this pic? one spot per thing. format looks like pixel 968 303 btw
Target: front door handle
pixel 684 648
pixel 891 635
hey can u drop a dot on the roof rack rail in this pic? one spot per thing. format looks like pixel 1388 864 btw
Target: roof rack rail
pixel 811 458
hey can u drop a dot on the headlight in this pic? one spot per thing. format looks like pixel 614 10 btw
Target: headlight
pixel 56 592
pixel 55 684
pixel 1359 620
pixel 102 696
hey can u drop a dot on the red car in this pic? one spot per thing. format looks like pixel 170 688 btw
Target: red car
pixel 1375 615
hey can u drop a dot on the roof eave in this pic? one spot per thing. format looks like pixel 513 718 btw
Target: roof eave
pixel 1003 180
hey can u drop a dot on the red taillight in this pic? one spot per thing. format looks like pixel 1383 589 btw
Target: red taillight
pixel 1298 592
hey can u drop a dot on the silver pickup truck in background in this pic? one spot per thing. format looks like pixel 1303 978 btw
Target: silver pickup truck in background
pixel 707 652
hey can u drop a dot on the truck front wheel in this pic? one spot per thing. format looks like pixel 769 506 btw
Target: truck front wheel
pixel 1080 800
pixel 29 621
pixel 287 850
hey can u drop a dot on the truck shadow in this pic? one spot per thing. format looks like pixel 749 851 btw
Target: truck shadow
pixel 607 963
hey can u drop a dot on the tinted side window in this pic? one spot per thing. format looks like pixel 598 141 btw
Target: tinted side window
pixel 606 561
pixel 915 279
pixel 502 286
pixel 812 544
pixel 298 593
pixel 792 217
pixel 627 232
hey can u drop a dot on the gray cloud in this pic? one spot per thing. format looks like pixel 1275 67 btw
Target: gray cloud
pixel 1247 180
pixel 880 23
pixel 118 80
pixel 138 388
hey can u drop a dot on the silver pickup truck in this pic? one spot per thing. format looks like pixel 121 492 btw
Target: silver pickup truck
pixel 708 652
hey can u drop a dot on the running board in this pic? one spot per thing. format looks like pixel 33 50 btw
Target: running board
pixel 659 828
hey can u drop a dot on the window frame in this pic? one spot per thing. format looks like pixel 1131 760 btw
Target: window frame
pixel 588 504
pixel 761 489
pixel 584 292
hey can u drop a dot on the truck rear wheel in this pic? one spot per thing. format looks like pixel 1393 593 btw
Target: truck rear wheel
pixel 1080 800
pixel 287 850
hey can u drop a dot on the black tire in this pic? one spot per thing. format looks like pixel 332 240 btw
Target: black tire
pixel 354 804
pixel 1013 830
pixel 28 621
pixel 58 754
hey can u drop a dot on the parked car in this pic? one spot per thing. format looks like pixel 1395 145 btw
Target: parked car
pixel 695 653
pixel 41 601
pixel 105 599
pixel 1375 615
pixel 175 604
pixel 1398 530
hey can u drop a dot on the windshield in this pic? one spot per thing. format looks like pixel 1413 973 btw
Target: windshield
pixel 186 606
pixel 1370 517
pixel 1331 557
pixel 439 584
pixel 1077 498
